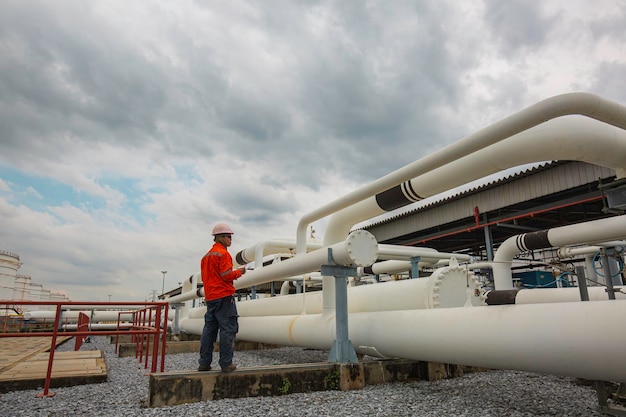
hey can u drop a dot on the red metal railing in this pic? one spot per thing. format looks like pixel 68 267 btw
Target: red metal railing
pixel 143 327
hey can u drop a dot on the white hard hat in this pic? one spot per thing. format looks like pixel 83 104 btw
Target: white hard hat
pixel 222 229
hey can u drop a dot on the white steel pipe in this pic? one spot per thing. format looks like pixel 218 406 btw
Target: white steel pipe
pixel 388 267
pixel 533 338
pixel 358 249
pixel 446 287
pixel 611 228
pixel 256 252
pixel 95 316
pixel 567 104
pixel 564 295
pixel 99 326
pixel 567 252
pixel 397 252
pixel 587 141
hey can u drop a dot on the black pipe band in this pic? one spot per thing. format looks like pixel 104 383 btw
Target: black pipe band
pixel 536 240
pixel 502 297
pixel 240 258
pixel 395 198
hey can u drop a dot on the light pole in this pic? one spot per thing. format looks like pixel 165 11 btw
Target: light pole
pixel 109 298
pixel 163 285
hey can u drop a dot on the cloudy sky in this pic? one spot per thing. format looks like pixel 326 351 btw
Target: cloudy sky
pixel 128 129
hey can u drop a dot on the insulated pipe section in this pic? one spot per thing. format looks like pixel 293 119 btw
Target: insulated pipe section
pixel 359 249
pixel 268 247
pixel 457 335
pixel 568 252
pixel 387 187
pixel 386 267
pixel 398 259
pixel 612 228
pixel 446 288
pixel 67 316
pixel 396 252
pixel 588 141
pixel 549 295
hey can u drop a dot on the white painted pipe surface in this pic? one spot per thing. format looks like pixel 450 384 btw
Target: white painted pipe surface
pixel 397 252
pixel 567 104
pixel 358 249
pixel 99 326
pixel 446 287
pixel 583 340
pixel 268 247
pixel 95 316
pixel 611 228
pixel 564 295
pixel 388 267
pixel 567 252
pixel 587 140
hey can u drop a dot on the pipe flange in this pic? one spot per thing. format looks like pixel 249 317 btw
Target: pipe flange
pixel 451 287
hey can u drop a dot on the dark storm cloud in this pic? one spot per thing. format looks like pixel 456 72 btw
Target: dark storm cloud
pixel 58 71
pixel 610 81
pixel 371 90
pixel 517 24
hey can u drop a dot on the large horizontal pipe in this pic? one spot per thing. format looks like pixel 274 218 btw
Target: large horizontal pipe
pixel 446 287
pixel 567 104
pixel 406 253
pixel 550 295
pixel 256 252
pixel 567 252
pixel 100 326
pixel 358 249
pixel 611 228
pixel 586 139
pixel 583 340
pixel 95 316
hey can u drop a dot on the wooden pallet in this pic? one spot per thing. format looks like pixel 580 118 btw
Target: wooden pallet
pixel 23 365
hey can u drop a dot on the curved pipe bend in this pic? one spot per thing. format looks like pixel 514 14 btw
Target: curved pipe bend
pixel 584 104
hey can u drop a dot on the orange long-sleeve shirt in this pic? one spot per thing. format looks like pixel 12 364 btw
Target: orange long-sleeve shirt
pixel 217 273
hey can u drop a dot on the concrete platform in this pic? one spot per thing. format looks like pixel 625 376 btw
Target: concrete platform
pixel 174 388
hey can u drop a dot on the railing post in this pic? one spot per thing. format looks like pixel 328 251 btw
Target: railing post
pixel 53 344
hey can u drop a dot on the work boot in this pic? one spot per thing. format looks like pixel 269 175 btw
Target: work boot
pixel 204 368
pixel 229 368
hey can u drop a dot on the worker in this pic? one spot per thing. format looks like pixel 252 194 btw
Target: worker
pixel 221 312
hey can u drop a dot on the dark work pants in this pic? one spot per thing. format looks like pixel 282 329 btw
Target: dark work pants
pixel 221 315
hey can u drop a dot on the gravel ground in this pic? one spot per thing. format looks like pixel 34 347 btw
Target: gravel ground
pixel 494 393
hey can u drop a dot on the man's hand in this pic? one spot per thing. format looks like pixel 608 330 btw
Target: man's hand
pixel 242 270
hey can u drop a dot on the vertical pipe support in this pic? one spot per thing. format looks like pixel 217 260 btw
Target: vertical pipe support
pixel 488 238
pixel 582 283
pixel 415 267
pixel 342 350
pixel 176 324
pixel 608 279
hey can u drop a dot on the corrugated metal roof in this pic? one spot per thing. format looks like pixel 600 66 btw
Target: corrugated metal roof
pixel 563 175
pixel 500 179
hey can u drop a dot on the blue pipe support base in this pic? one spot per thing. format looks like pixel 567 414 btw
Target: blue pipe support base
pixel 342 352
